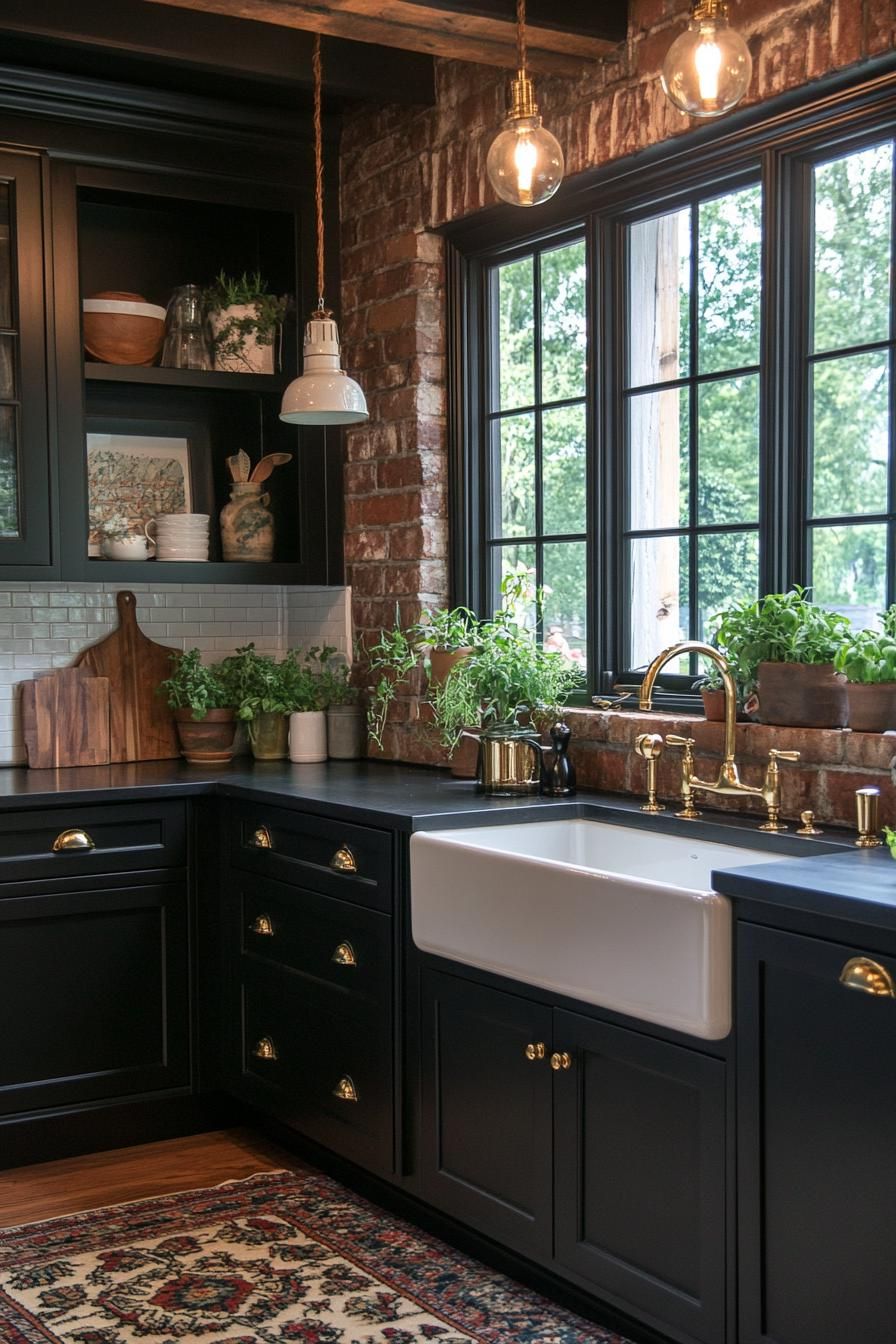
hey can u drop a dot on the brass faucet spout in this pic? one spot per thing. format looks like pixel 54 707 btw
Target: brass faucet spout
pixel 727 774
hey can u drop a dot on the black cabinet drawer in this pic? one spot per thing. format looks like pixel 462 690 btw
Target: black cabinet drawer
pixel 342 945
pixel 79 841
pixel 324 1060
pixel 341 859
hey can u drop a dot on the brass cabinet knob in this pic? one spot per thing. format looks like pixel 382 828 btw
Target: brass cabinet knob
pixel 535 1051
pixel 561 1059
pixel 261 839
pixel 344 861
pixel 868 976
pixel 345 1089
pixel 74 839
pixel 263 925
pixel 344 955
pixel 264 1049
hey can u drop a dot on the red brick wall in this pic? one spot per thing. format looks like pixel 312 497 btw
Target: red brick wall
pixel 406 171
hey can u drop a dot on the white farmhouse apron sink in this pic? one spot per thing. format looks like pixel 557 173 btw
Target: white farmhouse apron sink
pixel 612 915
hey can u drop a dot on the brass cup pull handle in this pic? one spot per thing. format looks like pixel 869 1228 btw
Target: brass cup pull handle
pixel 264 1049
pixel 868 976
pixel 561 1059
pixel 535 1050
pixel 344 955
pixel 345 1089
pixel 71 840
pixel 344 861
pixel 263 925
pixel 261 839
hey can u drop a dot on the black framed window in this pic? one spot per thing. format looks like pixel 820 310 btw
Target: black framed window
pixel 680 391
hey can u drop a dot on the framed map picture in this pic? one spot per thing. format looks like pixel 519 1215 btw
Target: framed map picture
pixel 137 470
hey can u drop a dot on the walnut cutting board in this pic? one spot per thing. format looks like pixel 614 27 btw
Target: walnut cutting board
pixel 142 725
pixel 65 719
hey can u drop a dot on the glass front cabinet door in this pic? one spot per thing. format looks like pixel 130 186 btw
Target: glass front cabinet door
pixel 24 466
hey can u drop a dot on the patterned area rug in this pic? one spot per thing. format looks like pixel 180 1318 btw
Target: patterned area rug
pixel 278 1257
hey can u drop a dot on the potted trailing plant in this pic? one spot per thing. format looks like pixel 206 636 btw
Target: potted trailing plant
pixel 785 645
pixel 201 700
pixel 304 692
pixel 345 715
pixel 257 691
pixel 391 661
pixel 867 660
pixel 445 636
pixel 245 322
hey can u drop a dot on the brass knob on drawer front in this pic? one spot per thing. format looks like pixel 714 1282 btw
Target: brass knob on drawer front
pixel 344 861
pixel 345 955
pixel 345 1089
pixel 261 839
pixel 74 839
pixel 868 976
pixel 264 1049
pixel 535 1050
pixel 560 1059
pixel 263 925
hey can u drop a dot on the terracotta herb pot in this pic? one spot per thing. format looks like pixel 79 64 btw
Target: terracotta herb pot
pixel 441 661
pixel 713 705
pixel 268 734
pixel 207 741
pixel 872 709
pixel 802 695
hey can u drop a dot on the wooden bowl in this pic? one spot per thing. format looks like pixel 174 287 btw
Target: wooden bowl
pixel 123 328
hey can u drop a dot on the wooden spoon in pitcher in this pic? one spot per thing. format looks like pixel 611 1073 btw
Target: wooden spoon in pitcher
pixel 267 464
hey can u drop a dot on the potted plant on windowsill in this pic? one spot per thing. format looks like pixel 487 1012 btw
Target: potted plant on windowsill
pixel 786 645
pixel 445 636
pixel 245 322
pixel 867 660
pixel 256 683
pixel 203 710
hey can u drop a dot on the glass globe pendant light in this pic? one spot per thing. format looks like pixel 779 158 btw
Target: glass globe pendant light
pixel 324 394
pixel 525 162
pixel 707 69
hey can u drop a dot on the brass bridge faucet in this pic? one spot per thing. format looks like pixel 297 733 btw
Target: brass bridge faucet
pixel 728 782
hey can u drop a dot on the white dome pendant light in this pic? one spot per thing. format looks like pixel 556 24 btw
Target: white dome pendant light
pixel 708 67
pixel 525 162
pixel 324 394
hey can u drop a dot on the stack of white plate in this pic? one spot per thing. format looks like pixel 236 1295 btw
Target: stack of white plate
pixel 180 536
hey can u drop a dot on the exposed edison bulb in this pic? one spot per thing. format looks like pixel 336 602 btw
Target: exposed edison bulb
pixel 525 162
pixel 707 69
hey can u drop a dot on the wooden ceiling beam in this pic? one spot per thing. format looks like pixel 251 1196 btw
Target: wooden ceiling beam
pixel 419 27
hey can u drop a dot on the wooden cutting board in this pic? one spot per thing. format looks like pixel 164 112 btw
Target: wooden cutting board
pixel 142 725
pixel 65 719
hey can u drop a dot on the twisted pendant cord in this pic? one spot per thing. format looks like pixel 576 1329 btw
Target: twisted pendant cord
pixel 521 34
pixel 319 169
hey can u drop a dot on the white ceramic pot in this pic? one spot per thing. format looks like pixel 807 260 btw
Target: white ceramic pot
pixel 126 548
pixel 253 358
pixel 308 736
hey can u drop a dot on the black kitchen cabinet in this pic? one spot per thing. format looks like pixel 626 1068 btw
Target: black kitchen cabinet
pixel 94 994
pixel 589 1148
pixel 486 1111
pixel 640 1172
pixel 24 443
pixel 817 1161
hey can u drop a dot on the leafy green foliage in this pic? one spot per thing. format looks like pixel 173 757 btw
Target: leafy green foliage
pixel 262 323
pixel 195 685
pixel 890 837
pixel 389 661
pixel 869 656
pixel 778 628
pixel 446 628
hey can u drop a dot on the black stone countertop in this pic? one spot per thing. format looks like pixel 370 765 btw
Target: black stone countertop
pixel 821 877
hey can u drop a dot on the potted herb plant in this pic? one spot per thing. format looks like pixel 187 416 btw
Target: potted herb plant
pixel 785 645
pixel 304 691
pixel 445 636
pixel 201 699
pixel 391 661
pixel 245 322
pixel 257 690
pixel 867 660
pixel 345 714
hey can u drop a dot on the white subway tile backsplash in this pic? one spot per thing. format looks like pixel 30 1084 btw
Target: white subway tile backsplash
pixel 45 625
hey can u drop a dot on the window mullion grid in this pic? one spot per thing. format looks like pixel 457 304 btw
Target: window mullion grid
pixel 539 404
pixel 891 482
pixel 693 425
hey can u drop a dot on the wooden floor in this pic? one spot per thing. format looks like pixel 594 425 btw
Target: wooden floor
pixel 29 1194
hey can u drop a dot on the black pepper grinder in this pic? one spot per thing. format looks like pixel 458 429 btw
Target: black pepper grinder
pixel 559 778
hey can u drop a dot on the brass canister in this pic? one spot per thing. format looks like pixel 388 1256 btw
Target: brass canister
pixel 509 763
